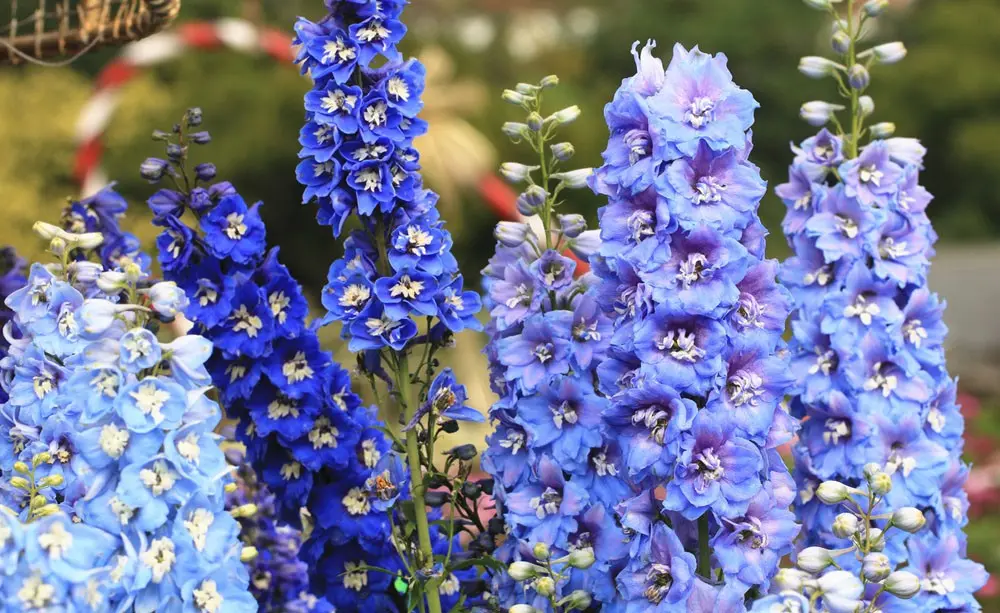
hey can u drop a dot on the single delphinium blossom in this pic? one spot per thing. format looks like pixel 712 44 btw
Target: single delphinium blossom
pixel 279 580
pixel 557 475
pixel 396 294
pixel 110 428
pixel 307 436
pixel 696 370
pixel 867 350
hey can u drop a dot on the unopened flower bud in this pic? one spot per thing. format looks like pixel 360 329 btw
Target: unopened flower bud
pixel 49 509
pixel 792 579
pixel 515 173
pixel 41 458
pixel 841 42
pixel 903 584
pixel 229 488
pixel 37 502
pixel 833 492
pixel 816 67
pixel 53 480
pixel 858 77
pixel 876 542
pixel 521 571
pixel 526 88
pixel 582 558
pixel 515 130
pixel 549 82
pixel 572 224
pixel 84 272
pixel 244 511
pixel 842 591
pixel 21 467
pixel 175 152
pixel 574 179
pixel 817 113
pixel 874 8
pixel 535 122
pixel 881 484
pixel 820 5
pixel 201 138
pixel 545 586
pixel 889 53
pixel 152 169
pixel 511 233
pixel 523 608
pixel 531 200
pixel 813 559
pixel 20 483
pixel 872 469
pixel 908 519
pixel 133 272
pixel 57 246
pixel 512 97
pixel 541 551
pixel 463 452
pixel 866 106
pixel 247 554
pixel 875 567
pixel 845 525
pixel 577 600
pixel 193 116
pixel 884 129
pixel 563 151
pixel 564 116
pixel 160 135
pixel 205 172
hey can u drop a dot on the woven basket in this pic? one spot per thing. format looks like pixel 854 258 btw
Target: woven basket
pixel 51 29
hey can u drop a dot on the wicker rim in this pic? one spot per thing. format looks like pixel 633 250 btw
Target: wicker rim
pixel 95 23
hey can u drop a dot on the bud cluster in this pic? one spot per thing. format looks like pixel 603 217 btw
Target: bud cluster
pixel 546 573
pixel 858 576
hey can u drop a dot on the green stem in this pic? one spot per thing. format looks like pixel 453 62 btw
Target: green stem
pixel 852 143
pixel 704 552
pixel 409 407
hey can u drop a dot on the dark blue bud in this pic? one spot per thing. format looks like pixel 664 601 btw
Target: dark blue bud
pixel 201 138
pixel 175 152
pixel 200 200
pixel 463 452
pixel 193 116
pixel 205 171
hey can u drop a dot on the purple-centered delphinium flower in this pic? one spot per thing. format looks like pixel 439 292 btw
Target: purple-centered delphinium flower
pixel 696 369
pixel 304 428
pixel 397 289
pixel 11 280
pixel 868 356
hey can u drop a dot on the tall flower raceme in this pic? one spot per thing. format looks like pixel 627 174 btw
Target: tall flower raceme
pixel 109 450
pixel 307 435
pixel 696 369
pixel 868 353
pixel 396 293
pixel 557 472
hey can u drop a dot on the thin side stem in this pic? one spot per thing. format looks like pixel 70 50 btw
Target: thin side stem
pixel 704 551
pixel 409 407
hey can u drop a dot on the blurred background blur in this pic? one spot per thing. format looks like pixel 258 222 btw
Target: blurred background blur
pixel 946 92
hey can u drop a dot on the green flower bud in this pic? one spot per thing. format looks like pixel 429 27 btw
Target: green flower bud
pixel 813 559
pixel 512 97
pixel 21 467
pixel 526 89
pixel 881 484
pixel 846 525
pixel 515 130
pixel 545 586
pixel 20 483
pixel 833 492
pixel 841 42
pixel 549 82
pixel 582 558
pixel 521 571
pixel 51 481
pixel 576 600
pixel 875 567
pixel 565 116
pixel 874 8
pixel 866 106
pixel 541 551
pixel 535 122
pixel 563 151
pixel 882 130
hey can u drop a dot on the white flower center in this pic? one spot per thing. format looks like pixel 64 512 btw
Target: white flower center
pixel 278 302
pixel 336 101
pixel 245 321
pixel 691 269
pixel 355 576
pixel 159 479
pixel 407 288
pixel 547 503
pixel 56 541
pixel 700 112
pixel 323 434
pixel 207 597
pixel 863 310
pixel 564 413
pixel 197 525
pixel 150 400
pixel 356 502
pixel 113 440
pixel 836 430
pixel 235 228
pixel 337 51
pixel 681 345
pixel 159 558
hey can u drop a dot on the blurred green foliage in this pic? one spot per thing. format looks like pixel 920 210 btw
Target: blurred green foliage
pixel 944 92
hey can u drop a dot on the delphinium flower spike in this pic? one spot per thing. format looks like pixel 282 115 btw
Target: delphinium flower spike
pixel 557 473
pixel 109 446
pixel 867 351
pixel 397 293
pixel 307 435
pixel 696 369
